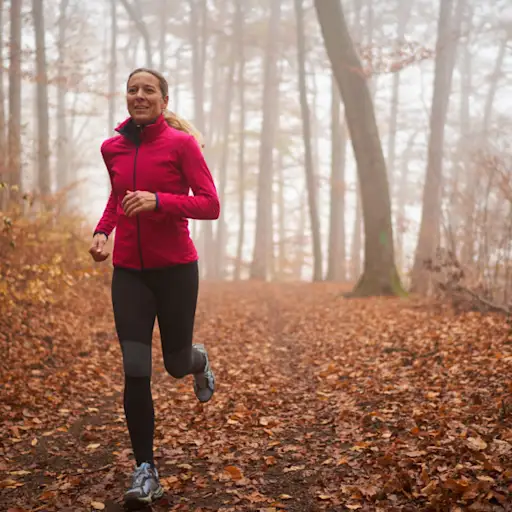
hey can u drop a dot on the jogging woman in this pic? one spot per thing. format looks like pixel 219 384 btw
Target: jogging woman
pixel 153 162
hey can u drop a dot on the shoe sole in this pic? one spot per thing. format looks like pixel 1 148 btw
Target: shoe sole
pixel 135 503
pixel 196 389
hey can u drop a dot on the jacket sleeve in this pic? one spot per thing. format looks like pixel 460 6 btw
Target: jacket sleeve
pixel 204 204
pixel 109 218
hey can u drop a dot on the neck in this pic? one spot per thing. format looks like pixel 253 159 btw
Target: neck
pixel 146 123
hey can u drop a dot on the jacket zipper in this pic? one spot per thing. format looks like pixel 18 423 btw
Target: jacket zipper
pixel 138 221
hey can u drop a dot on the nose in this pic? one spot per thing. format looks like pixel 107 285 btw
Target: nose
pixel 140 94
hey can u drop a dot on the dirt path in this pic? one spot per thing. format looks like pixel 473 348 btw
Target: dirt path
pixel 322 404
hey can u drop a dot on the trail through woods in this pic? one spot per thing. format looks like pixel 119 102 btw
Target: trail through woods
pixel 323 403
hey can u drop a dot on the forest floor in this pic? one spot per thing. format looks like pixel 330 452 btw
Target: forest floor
pixel 322 403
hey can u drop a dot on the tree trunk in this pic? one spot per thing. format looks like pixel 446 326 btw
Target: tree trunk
pixel 163 33
pixel 198 36
pixel 430 219
pixel 239 27
pixel 306 129
pixel 177 83
pixel 281 216
pixel 14 127
pixel 62 173
pixel 138 20
pixel 494 85
pixel 379 276
pixel 43 124
pixel 402 196
pixel 263 237
pixel 3 148
pixel 461 158
pixel 221 241
pixel 404 13
pixel 300 240
pixel 112 72
pixel 336 270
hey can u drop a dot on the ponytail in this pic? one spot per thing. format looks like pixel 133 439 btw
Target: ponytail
pixel 178 123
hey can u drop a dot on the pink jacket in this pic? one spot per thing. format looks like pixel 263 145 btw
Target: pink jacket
pixel 168 162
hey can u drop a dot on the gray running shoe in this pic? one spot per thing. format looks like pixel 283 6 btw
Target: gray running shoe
pixel 204 382
pixel 145 489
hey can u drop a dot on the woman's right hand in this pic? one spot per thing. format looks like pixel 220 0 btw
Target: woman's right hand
pixel 97 250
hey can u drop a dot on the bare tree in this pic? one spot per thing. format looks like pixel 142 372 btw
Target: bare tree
pixel 336 270
pixel 112 72
pixel 43 125
pixel 306 128
pixel 430 220
pixel 404 12
pixel 14 137
pixel 221 240
pixel 263 238
pixel 3 161
pixel 380 276
pixel 239 30
pixel 62 173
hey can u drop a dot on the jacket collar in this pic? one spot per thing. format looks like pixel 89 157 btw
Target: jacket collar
pixel 145 133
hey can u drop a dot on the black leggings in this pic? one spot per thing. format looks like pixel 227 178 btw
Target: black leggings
pixel 138 298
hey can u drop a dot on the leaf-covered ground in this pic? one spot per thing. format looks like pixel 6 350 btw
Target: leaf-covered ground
pixel 322 403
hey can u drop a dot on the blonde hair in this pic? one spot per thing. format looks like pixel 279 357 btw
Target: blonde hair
pixel 172 119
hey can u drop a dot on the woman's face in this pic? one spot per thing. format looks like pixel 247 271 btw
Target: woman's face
pixel 144 98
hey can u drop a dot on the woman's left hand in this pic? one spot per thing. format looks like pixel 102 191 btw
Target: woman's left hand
pixel 138 201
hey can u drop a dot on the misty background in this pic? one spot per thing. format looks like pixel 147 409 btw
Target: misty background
pixel 234 69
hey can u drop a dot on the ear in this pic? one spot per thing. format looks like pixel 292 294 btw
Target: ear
pixel 165 102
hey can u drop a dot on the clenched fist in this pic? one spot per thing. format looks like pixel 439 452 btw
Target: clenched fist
pixel 138 201
pixel 97 250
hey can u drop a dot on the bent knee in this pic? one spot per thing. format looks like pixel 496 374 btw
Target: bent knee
pixel 178 364
pixel 136 359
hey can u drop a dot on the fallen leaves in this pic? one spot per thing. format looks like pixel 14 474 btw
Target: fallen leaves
pixel 234 472
pixel 323 404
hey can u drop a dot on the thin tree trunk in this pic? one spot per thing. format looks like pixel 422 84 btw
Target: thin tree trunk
pixel 493 87
pixel 177 82
pixel 380 276
pixel 62 135
pixel 163 33
pixel 461 162
pixel 3 160
pixel 241 140
pixel 281 215
pixel 14 127
pixel 263 236
pixel 448 28
pixel 198 36
pixel 404 12
pixel 402 195
pixel 112 72
pixel 221 241
pixel 300 257
pixel 43 124
pixel 336 270
pixel 306 128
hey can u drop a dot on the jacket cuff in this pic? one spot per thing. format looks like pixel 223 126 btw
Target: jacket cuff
pixel 100 233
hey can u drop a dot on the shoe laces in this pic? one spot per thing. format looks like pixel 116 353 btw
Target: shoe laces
pixel 141 473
